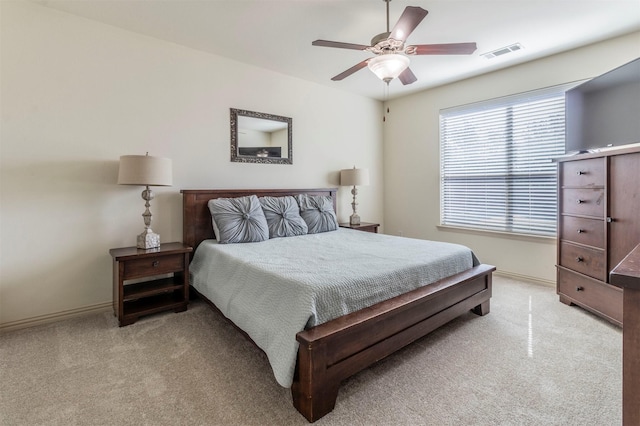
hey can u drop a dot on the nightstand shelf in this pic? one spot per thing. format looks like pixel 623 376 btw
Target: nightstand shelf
pixel 364 226
pixel 152 304
pixel 150 281
pixel 150 288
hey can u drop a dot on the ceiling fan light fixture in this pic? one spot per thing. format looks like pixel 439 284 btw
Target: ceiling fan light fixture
pixel 389 66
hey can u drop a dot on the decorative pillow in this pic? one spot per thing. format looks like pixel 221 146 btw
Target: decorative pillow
pixel 317 212
pixel 238 220
pixel 216 231
pixel 283 216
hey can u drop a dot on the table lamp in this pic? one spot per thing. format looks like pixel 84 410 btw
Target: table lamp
pixel 354 177
pixel 146 171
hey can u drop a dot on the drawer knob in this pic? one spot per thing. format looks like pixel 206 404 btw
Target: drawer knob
pixel 579 201
pixel 579 259
pixel 155 263
pixel 580 172
pixel 579 288
pixel 580 231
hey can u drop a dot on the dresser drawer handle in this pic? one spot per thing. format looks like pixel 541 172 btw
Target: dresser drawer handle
pixel 580 172
pixel 581 231
pixel 155 263
pixel 579 259
pixel 579 201
pixel 579 288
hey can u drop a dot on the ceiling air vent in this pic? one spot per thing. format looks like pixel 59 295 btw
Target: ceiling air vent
pixel 503 51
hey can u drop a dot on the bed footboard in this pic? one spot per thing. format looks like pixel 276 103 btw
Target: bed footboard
pixel 333 351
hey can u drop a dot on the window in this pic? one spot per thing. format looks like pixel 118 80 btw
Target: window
pixel 496 163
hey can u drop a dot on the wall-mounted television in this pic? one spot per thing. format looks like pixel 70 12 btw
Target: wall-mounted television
pixel 604 111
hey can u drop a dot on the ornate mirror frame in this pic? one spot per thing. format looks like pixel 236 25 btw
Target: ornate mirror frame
pixel 236 114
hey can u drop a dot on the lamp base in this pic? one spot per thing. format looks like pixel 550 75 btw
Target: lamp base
pixel 148 240
pixel 354 219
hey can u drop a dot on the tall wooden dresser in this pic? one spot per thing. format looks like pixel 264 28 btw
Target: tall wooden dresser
pixel 598 225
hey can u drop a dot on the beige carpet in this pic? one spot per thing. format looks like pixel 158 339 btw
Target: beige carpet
pixel 531 361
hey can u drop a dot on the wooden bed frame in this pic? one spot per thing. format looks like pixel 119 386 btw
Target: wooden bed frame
pixel 335 350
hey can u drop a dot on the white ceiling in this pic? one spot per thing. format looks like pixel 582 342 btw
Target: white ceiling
pixel 277 34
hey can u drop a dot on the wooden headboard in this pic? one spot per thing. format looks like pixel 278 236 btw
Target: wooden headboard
pixel 196 218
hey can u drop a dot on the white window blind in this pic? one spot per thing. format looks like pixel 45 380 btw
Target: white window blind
pixel 496 163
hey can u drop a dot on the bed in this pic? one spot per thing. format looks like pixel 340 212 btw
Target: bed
pixel 330 352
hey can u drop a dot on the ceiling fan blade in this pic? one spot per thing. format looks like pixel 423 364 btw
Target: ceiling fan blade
pixel 351 70
pixel 338 44
pixel 407 77
pixel 409 20
pixel 441 49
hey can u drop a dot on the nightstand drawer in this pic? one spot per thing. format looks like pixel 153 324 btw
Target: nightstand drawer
pixel 583 231
pixel 153 265
pixel 602 298
pixel 583 201
pixel 584 260
pixel 583 173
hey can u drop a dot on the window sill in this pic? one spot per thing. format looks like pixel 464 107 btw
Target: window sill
pixel 499 234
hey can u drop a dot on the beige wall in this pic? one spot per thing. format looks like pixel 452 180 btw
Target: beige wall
pixel 411 152
pixel 77 94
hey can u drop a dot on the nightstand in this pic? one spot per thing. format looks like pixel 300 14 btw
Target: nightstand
pixel 364 226
pixel 149 281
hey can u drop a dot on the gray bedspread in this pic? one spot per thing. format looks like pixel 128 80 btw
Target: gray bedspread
pixel 276 288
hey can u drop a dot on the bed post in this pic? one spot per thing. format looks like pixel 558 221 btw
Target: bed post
pixel 314 389
pixel 484 308
pixel 188 230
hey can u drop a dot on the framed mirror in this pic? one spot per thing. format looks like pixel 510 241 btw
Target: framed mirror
pixel 257 137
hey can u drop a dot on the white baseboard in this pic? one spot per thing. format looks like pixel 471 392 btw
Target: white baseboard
pixel 105 307
pixel 515 276
pixel 58 316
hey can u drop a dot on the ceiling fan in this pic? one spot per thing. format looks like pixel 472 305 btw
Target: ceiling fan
pixel 392 60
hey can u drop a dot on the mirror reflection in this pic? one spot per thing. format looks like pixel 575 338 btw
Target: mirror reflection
pixel 260 138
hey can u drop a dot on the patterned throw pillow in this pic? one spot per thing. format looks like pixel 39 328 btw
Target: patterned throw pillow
pixel 238 220
pixel 283 216
pixel 317 212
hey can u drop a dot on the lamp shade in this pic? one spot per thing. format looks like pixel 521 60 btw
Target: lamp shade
pixel 145 170
pixel 388 66
pixel 354 177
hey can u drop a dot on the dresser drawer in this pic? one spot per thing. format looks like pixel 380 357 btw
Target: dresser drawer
pixel 154 265
pixel 583 201
pixel 594 295
pixel 584 260
pixel 583 173
pixel 583 231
